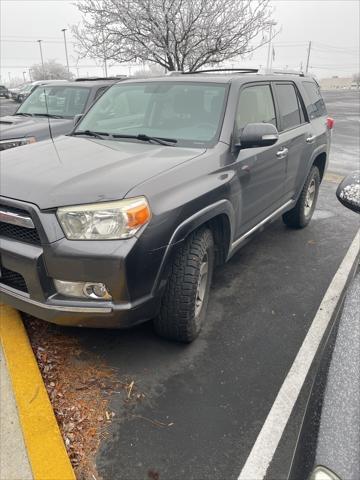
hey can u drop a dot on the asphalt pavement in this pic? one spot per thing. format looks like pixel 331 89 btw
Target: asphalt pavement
pixel 344 107
pixel 204 404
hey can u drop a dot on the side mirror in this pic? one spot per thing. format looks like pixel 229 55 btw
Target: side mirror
pixel 258 135
pixel 77 118
pixel 348 192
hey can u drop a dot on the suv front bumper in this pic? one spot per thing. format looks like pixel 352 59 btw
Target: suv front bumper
pixel 82 314
pixel 127 268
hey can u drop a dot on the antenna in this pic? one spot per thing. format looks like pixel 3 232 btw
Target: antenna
pixel 47 114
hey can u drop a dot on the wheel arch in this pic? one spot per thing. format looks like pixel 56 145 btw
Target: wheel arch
pixel 320 162
pixel 218 217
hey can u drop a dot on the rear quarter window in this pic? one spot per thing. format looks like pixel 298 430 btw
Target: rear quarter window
pixel 289 107
pixel 315 105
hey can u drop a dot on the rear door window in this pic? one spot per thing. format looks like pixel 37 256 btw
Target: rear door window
pixel 256 105
pixel 288 105
pixel 315 105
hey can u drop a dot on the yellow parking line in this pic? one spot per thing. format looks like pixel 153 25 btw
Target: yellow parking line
pixel 45 447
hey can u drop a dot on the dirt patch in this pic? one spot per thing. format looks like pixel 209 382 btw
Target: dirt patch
pixel 79 387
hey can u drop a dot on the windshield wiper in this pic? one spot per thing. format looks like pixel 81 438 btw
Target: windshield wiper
pixel 91 133
pixel 146 138
pixel 24 114
pixel 49 115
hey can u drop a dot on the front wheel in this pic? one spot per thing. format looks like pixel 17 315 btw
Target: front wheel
pixel 300 215
pixel 184 303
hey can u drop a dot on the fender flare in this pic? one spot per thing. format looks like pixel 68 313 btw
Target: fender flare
pixel 318 151
pixel 222 207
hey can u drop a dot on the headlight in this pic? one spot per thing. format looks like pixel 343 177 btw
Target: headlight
pixel 105 221
pixel 322 473
pixel 16 142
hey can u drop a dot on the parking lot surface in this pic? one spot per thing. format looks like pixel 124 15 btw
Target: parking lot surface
pixel 201 406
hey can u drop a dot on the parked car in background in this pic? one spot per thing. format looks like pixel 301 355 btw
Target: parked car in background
pixel 13 91
pixel 4 92
pixel 27 89
pixel 328 446
pixel 49 111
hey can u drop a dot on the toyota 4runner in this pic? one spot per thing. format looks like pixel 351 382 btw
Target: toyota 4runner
pixel 124 219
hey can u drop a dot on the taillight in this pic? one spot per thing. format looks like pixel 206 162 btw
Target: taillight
pixel 330 122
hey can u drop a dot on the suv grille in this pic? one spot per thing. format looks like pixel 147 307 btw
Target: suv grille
pixel 15 232
pixel 13 279
pixel 19 233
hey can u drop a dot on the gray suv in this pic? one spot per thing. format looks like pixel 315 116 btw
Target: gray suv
pixel 124 219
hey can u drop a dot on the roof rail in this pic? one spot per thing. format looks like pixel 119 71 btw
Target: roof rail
pixel 94 79
pixel 288 72
pixel 235 70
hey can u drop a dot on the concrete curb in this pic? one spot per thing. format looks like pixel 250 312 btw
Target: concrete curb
pixel 43 441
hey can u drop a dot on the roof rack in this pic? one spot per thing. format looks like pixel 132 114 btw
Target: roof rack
pixel 94 79
pixel 288 72
pixel 235 70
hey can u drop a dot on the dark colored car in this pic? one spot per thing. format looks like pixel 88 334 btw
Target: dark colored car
pixel 4 92
pixel 328 446
pixel 28 88
pixel 49 111
pixel 124 219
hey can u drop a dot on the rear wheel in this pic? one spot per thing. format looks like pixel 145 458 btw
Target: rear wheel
pixel 301 214
pixel 184 303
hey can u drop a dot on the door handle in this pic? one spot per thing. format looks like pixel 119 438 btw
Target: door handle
pixel 282 153
pixel 311 139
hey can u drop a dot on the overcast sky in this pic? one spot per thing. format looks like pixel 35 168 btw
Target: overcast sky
pixel 331 25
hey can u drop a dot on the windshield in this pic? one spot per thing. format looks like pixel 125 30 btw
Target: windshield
pixel 26 87
pixel 63 101
pixel 190 113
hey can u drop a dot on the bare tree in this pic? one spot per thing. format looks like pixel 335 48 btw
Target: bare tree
pixel 52 71
pixel 175 34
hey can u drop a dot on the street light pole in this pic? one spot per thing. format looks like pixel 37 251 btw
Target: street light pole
pixel 269 54
pixel 66 52
pixel 42 58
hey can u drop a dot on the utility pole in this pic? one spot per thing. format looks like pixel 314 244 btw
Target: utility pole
pixel 42 59
pixel 269 54
pixel 66 52
pixel 24 73
pixel 308 57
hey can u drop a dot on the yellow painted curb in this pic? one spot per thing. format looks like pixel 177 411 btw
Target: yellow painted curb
pixel 45 447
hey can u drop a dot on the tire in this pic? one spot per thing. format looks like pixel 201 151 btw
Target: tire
pixel 182 312
pixel 300 215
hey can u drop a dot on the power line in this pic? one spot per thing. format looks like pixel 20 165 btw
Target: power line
pixel 34 41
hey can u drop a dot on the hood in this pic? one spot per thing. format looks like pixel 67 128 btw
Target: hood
pixel 18 126
pixel 77 170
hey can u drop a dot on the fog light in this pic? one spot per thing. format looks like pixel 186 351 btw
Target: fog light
pixel 94 290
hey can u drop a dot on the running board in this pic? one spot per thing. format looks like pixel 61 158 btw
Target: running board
pixel 236 244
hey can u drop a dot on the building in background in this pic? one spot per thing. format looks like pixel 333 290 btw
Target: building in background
pixel 334 83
